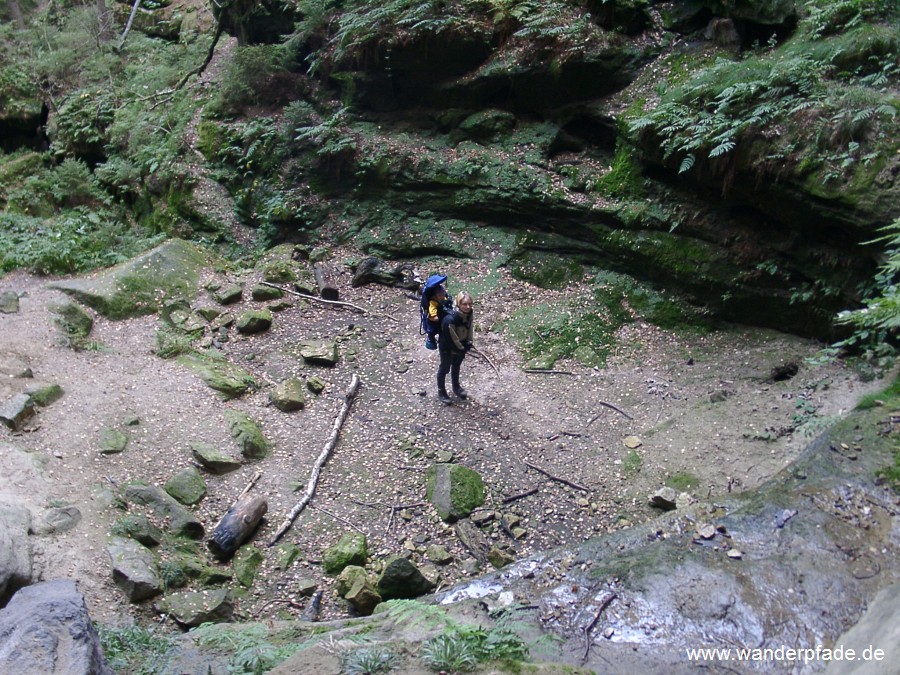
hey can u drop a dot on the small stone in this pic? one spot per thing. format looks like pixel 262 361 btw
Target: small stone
pixel 632 442
pixel 734 553
pixel 706 531
pixel 112 441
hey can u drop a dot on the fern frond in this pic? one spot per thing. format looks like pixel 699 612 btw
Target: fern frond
pixel 722 148
pixel 686 164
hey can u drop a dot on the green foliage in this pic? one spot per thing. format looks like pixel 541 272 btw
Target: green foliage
pixel 134 649
pixel 891 472
pixel 624 178
pixel 65 186
pixel 368 661
pixel 78 240
pixel 82 122
pixel 831 16
pixel 251 78
pixel 879 321
pixel 251 647
pixel 871 400
pixel 463 647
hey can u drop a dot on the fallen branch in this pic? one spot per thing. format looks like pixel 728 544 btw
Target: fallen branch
pixel 288 601
pixel 521 495
pixel 547 371
pixel 611 407
pixel 134 9
pixel 590 626
pixel 306 296
pixel 338 518
pixel 486 358
pixel 320 461
pixel 556 478
pixel 250 484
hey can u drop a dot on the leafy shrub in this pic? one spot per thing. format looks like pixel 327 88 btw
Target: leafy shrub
pixel 68 185
pixel 368 661
pixel 82 121
pixel 134 649
pixel 252 649
pixel 255 76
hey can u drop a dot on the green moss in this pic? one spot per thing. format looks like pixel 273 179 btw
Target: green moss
pixel 545 269
pixel 683 481
pixel 889 396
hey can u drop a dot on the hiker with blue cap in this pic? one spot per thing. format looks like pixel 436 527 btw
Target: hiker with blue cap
pixel 435 303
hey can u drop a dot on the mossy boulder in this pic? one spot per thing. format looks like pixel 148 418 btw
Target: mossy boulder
pixel 247 433
pixel 254 321
pixel 229 380
pixel 139 528
pixel 454 490
pixel 355 587
pixel 288 396
pixel 264 293
pixel 315 384
pixel 44 394
pixel 112 441
pixel 179 521
pixel 187 486
pixel 350 550
pixel 319 352
pixel 486 124
pixel 143 284
pixel 245 564
pixel 192 608
pixel 401 579
pixel 229 294
pixel 134 569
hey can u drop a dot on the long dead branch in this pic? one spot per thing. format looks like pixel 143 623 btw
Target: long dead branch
pixel 320 460
pixel 361 310
pixel 611 407
pixel 521 495
pixel 547 371
pixel 587 629
pixel 556 478
pixel 134 10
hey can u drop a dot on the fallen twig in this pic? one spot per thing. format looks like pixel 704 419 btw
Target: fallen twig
pixel 587 629
pixel 306 296
pixel 250 484
pixel 292 603
pixel 320 461
pixel 337 517
pixel 521 495
pixel 486 358
pixel 611 407
pixel 547 371
pixel 556 478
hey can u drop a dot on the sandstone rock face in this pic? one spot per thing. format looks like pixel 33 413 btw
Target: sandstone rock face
pixel 46 629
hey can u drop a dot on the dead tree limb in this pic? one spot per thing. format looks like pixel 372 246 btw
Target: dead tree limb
pixel 361 310
pixel 611 407
pixel 547 371
pixel 590 626
pixel 220 28
pixel 486 358
pixel 320 461
pixel 134 11
pixel 556 478
pixel 521 495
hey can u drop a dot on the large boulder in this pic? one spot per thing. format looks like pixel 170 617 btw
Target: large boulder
pixel 46 629
pixel 187 486
pixel 141 285
pixel 15 549
pixel 454 490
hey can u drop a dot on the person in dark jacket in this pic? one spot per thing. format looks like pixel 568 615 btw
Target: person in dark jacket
pixel 456 340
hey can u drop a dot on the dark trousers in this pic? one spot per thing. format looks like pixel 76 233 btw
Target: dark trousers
pixel 450 363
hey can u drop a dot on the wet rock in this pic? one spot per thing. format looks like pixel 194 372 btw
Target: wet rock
pixel 16 411
pixel 187 486
pixel 288 396
pixel 401 579
pixel 214 459
pixel 665 498
pixel 134 569
pixel 46 628
pixel 500 558
pixel 350 550
pixel 112 441
pixel 192 608
pixel 454 490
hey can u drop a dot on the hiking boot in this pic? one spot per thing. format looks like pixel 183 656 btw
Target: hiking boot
pixel 459 391
pixel 443 398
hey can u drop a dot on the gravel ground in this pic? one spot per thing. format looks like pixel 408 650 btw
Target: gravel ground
pixel 702 405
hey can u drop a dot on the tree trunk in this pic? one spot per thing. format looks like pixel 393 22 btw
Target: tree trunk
pixel 325 279
pixel 237 525
pixel 16 13
pixel 104 18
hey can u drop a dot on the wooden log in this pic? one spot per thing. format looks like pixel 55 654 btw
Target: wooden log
pixel 236 526
pixel 325 280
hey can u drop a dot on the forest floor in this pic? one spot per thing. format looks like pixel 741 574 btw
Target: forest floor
pixel 698 410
